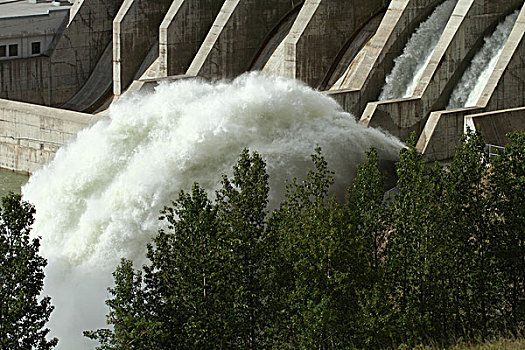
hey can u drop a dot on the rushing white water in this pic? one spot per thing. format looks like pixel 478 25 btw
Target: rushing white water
pixel 409 66
pixel 470 87
pixel 100 198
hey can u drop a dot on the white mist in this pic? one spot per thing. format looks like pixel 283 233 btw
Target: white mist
pixel 99 200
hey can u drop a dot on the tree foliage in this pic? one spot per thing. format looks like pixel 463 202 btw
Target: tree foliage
pixel 23 314
pixel 442 259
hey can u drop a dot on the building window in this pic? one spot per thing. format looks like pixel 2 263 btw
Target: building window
pixel 13 50
pixel 35 48
pixel 3 51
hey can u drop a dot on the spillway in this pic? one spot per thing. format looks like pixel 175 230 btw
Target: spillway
pixel 100 199
pixel 409 66
pixel 471 85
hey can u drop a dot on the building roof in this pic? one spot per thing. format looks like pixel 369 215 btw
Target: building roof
pixel 23 8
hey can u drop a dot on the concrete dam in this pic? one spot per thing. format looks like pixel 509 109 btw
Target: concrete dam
pixel 115 106
pixel 354 51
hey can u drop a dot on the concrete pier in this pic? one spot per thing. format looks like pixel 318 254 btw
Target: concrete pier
pixel 236 36
pixel 462 38
pixel 182 32
pixel 505 89
pixel 80 47
pixel 309 50
pixel 135 31
pixel 495 126
pixel 361 82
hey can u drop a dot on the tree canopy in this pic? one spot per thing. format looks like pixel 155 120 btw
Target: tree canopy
pixel 442 259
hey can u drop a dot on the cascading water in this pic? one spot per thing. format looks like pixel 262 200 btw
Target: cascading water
pixel 470 87
pixel 409 66
pixel 99 200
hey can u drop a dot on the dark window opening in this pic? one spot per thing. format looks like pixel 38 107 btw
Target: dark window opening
pixel 35 48
pixel 13 50
pixel 3 51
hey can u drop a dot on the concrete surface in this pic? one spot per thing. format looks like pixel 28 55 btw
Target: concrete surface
pixel 135 31
pixel 80 47
pixel 98 86
pixel 495 126
pixel 505 89
pixel 236 36
pixel 182 32
pixel 312 46
pixel 30 135
pixel 364 78
pixel 270 55
pixel 463 36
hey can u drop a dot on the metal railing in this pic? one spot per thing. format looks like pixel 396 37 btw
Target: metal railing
pixel 31 139
pixel 494 151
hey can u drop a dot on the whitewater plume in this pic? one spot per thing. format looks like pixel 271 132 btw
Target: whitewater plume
pixel 99 200
pixel 469 89
pixel 409 66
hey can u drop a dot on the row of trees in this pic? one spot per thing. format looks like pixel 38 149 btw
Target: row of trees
pixel 445 259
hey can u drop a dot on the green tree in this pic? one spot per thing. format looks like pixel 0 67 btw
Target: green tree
pixel 412 246
pixel 203 286
pixel 475 284
pixel 369 218
pixel 242 213
pixel 22 315
pixel 507 181
pixel 315 266
pixel 185 281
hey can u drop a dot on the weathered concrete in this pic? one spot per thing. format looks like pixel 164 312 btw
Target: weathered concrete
pixel 53 79
pixel 505 89
pixel 346 56
pixel 312 46
pixel 463 36
pixel 30 135
pixel 182 32
pixel 27 77
pixel 237 35
pixel 364 77
pixel 97 88
pixel 506 85
pixel 495 126
pixel 270 55
pixel 135 31
pixel 442 133
pixel 80 47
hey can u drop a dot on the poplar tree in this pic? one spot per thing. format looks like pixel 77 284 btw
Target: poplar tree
pixel 23 314
pixel 507 179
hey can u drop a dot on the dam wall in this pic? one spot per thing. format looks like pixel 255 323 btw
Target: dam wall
pixel 30 135
pixel 495 126
pixel 312 46
pixel 80 46
pixel 346 49
pixel 135 31
pixel 26 79
pixel 182 32
pixel 236 36
pixel 54 77
pixel 505 90
pixel 360 82
pixel 462 38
